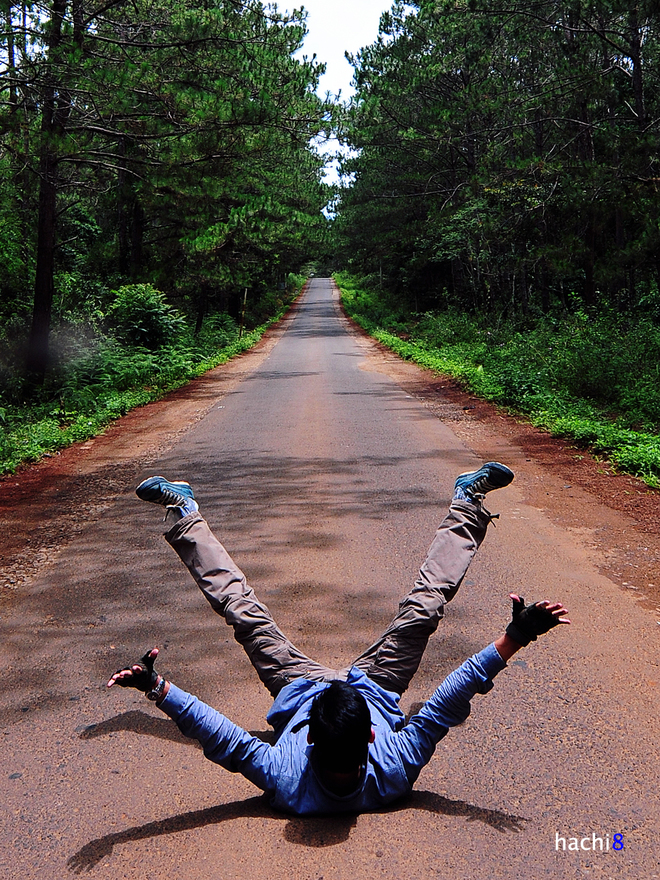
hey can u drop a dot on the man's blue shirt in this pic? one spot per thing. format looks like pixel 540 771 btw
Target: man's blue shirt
pixel 284 770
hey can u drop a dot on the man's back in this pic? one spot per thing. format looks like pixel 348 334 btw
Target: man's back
pixel 284 770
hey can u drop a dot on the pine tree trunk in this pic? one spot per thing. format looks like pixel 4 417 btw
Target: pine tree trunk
pixel 137 237
pixel 56 105
pixel 37 355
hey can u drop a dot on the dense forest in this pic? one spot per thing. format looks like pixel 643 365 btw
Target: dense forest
pixel 161 190
pixel 507 153
pixel 500 219
pixel 156 143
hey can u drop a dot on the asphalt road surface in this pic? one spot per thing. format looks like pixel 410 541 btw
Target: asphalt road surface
pixel 326 480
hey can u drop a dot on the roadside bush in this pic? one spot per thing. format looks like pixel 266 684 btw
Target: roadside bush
pixel 98 378
pixel 217 331
pixel 448 328
pixel 588 359
pixel 270 302
pixel 141 316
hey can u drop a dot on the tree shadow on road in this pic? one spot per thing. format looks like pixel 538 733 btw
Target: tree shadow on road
pixel 316 831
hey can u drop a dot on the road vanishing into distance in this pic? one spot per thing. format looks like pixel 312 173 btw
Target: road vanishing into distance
pixel 326 480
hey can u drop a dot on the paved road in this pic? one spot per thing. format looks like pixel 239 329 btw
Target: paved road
pixel 326 481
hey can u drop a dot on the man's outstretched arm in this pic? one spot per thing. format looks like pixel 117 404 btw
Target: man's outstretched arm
pixel 224 742
pixel 450 703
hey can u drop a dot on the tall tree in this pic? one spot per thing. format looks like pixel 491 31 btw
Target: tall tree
pixel 511 147
pixel 157 103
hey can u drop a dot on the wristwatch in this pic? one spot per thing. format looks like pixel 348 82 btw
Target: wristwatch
pixel 157 692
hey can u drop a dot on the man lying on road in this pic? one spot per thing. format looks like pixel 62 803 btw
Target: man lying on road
pixel 342 744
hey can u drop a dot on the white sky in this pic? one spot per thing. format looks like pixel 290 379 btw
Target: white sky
pixel 335 27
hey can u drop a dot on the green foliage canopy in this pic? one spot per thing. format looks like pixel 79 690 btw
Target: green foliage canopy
pixel 506 154
pixel 179 133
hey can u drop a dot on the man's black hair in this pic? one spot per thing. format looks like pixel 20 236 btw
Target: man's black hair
pixel 340 727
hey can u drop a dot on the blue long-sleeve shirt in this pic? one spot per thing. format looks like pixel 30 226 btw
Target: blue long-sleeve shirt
pixel 284 770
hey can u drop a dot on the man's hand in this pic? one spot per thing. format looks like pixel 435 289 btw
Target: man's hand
pixel 529 622
pixel 141 675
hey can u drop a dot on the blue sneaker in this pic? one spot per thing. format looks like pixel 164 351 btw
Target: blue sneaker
pixel 173 496
pixel 474 484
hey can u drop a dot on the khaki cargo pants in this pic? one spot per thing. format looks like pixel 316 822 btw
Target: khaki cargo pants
pixel 392 660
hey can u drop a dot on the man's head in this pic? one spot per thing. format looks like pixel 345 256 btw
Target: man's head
pixel 340 729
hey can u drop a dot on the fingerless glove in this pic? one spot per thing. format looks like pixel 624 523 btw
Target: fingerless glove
pixel 145 680
pixel 529 622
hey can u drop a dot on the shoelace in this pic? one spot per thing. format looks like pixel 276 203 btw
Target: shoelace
pixel 171 499
pixel 491 516
pixel 481 486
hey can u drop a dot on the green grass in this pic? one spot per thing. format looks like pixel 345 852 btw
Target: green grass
pixel 101 386
pixel 593 380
